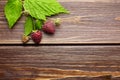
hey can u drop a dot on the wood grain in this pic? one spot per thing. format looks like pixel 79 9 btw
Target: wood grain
pixel 87 23
pixel 108 1
pixel 63 56
pixel 60 62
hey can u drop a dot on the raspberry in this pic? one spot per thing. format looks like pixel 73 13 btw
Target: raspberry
pixel 49 27
pixel 36 36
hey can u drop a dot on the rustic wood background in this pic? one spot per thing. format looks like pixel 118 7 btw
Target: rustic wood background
pixel 85 47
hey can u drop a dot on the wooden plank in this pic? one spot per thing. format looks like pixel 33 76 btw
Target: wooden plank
pixel 87 23
pixel 60 62
pixel 108 1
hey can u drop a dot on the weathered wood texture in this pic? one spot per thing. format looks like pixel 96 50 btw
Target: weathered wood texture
pixel 90 22
pixel 109 1
pixel 60 62
pixel 87 23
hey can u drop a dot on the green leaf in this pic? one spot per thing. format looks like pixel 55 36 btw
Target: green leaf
pixel 38 24
pixel 28 27
pixel 13 11
pixel 39 9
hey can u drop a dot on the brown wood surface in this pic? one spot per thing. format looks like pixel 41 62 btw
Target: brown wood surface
pixel 87 23
pixel 52 62
pixel 85 47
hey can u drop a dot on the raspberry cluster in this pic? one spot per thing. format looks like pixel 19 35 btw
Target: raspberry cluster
pixel 36 35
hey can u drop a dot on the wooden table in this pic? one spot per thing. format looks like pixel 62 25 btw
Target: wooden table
pixel 85 47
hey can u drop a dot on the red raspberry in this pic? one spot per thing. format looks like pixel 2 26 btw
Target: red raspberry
pixel 36 36
pixel 49 27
